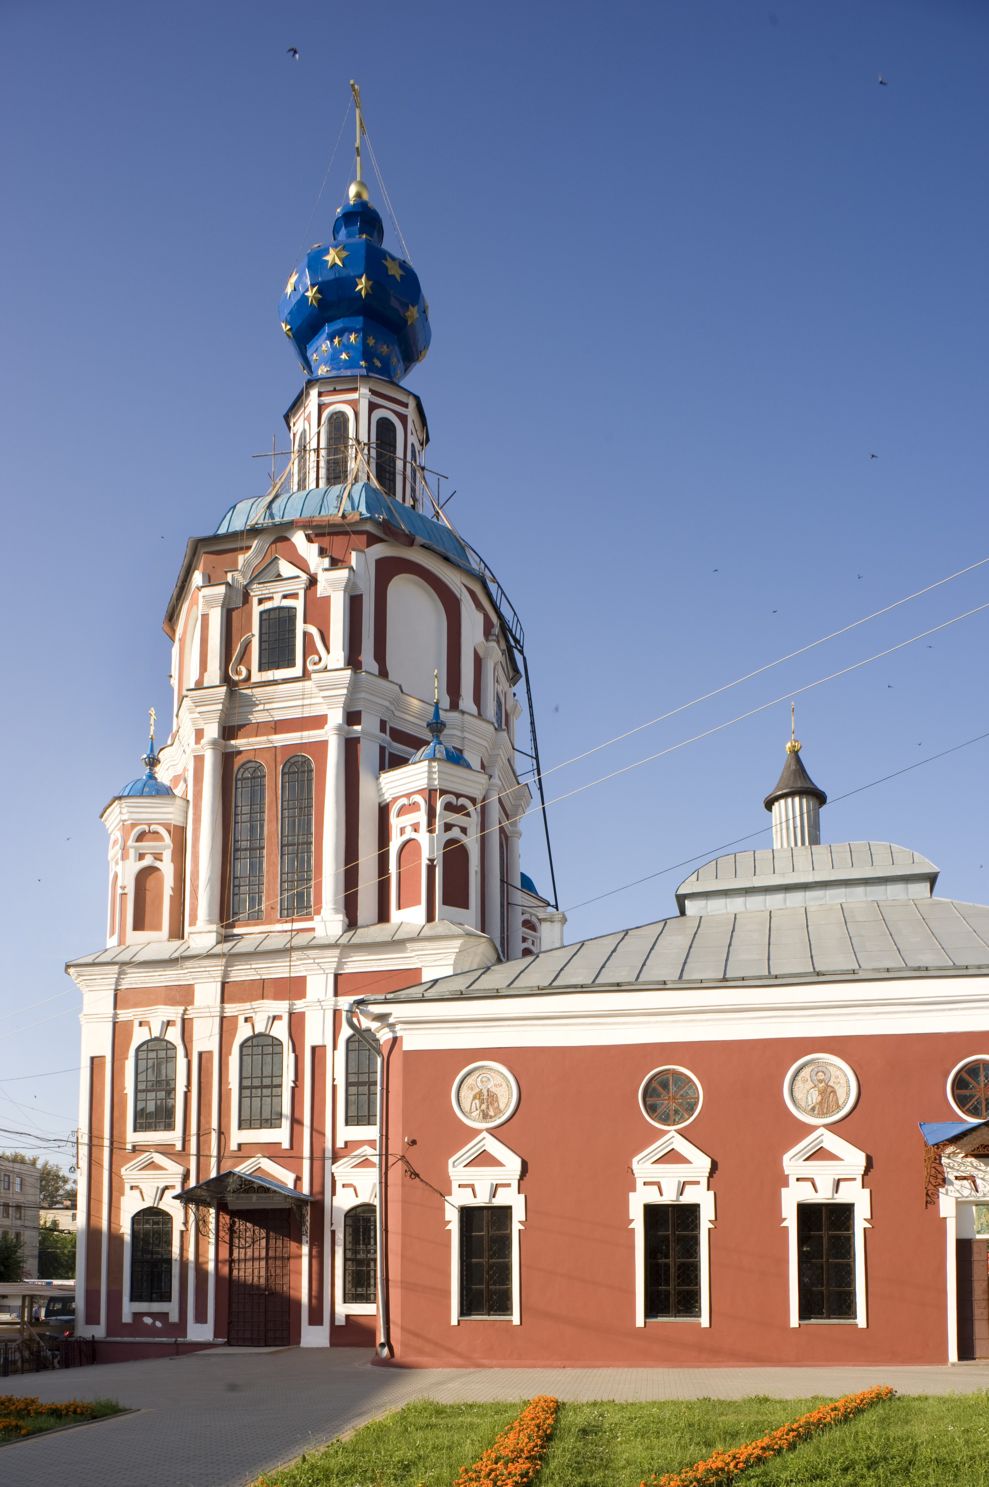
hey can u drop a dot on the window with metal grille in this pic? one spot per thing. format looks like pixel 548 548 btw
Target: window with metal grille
pixel 276 637
pixel 385 449
pixel 301 474
pixel 361 1088
pixel 486 1262
pixel 151 1256
pixel 336 449
pixel 260 1083
pixel 826 1261
pixel 673 1260
pixel 247 868
pixel 154 1085
pixel 296 837
pixel 360 1250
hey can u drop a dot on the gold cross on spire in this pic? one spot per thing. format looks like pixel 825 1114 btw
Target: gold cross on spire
pixel 152 720
pixel 793 747
pixel 358 190
pixel 436 686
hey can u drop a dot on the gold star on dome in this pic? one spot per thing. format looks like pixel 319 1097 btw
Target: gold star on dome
pixel 344 355
pixel 371 342
pixel 411 315
pixel 394 267
pixel 293 276
pixel 322 371
pixel 335 257
pixel 325 348
pixel 337 341
pixel 313 295
pixel 377 361
pixel 286 327
pixel 364 286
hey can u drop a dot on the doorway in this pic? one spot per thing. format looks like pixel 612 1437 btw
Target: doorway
pixel 973 1298
pixel 259 1278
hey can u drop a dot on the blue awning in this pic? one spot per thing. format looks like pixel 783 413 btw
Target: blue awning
pixel 936 1131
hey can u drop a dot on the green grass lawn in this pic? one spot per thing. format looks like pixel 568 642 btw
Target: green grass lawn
pixel 18 1409
pixel 908 1442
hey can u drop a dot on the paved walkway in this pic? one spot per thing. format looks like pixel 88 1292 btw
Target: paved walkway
pixel 219 1418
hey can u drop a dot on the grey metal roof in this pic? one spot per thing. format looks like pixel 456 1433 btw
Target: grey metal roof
pixel 832 872
pixel 929 936
pixel 794 780
pixel 281 939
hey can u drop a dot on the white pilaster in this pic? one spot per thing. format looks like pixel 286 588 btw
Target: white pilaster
pixel 210 841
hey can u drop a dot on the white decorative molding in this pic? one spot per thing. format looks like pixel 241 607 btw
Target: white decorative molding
pixel 672 1170
pixel 834 1177
pixel 805 1115
pixel 164 1023
pixel 475 1182
pixel 148 1182
pixel 355 1184
pixel 321 661
pixel 273 1020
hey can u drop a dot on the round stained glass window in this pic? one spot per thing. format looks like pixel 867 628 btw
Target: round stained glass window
pixel 670 1097
pixel 968 1088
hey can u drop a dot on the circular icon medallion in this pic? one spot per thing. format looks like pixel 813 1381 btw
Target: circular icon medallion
pixel 485 1095
pixel 820 1089
pixel 670 1097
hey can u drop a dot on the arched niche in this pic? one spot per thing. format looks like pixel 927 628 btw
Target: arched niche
pixel 416 636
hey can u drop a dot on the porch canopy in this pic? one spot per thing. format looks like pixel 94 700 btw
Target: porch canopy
pixel 235 1190
pixel 935 1132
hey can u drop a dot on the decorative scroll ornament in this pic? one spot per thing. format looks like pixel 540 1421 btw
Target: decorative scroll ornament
pixel 320 662
pixel 237 672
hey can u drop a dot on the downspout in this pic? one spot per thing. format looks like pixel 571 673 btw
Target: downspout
pixel 384 1347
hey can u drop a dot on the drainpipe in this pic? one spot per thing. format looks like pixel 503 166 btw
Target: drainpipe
pixel 384 1348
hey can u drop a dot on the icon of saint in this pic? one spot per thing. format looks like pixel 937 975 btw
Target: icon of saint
pixel 485 1104
pixel 822 1099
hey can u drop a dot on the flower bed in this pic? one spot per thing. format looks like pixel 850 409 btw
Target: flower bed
pixel 517 1454
pixel 22 1415
pixel 725 1466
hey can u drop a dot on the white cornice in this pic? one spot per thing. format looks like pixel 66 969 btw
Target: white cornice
pixel 815 1011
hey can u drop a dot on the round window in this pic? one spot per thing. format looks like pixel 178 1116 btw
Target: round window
pixel 968 1088
pixel 670 1097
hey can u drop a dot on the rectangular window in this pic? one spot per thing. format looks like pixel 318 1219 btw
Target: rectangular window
pixel 19 1212
pixel 18 1184
pixel 6 1210
pixel 673 1260
pixel 826 1261
pixel 486 1262
pixel 361 1084
pixel 276 641
pixel 360 1256
pixel 6 1182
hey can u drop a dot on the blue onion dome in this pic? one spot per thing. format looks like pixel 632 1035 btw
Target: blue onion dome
pixel 436 748
pixel 148 783
pixel 351 307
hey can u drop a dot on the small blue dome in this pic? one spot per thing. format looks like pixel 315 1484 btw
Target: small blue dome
pixel 350 307
pixel 147 785
pixel 436 748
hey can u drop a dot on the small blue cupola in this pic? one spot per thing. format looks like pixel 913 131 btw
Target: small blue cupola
pixel 148 783
pixel 436 748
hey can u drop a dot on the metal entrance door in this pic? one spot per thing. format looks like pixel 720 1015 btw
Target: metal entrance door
pixel 973 1298
pixel 259 1278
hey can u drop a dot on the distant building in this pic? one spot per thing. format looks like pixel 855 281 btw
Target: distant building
pixel 63 1217
pixel 20 1200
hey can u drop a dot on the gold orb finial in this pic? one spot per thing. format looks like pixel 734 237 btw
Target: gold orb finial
pixel 357 191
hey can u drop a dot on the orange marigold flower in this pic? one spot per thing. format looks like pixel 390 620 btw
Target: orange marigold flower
pixel 517 1454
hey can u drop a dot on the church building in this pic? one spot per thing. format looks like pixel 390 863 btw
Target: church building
pixel 343 1084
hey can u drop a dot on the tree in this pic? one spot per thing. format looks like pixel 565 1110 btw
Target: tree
pixel 56 1252
pixel 11 1258
pixel 57 1186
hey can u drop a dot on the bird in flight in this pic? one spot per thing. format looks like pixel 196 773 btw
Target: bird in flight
pixel 873 456
pixel 293 52
pixel 882 81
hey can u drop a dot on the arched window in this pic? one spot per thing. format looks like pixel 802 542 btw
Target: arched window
pixel 361 1084
pixel 385 450
pixel 300 480
pixel 154 1085
pixel 296 837
pixel 414 476
pixel 336 449
pixel 151 1256
pixel 276 637
pixel 260 1083
pixel 247 868
pixel 360 1250
pixel 149 900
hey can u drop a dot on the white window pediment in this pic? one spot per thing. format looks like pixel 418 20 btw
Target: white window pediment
pixel 265 1167
pixel 152 1181
pixel 485 1172
pixel 824 1168
pixel 672 1170
pixel 278 576
pixel 355 1184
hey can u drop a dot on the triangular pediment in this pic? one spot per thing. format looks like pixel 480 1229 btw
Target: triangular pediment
pixel 150 1165
pixel 265 1167
pixel 486 1154
pixel 822 1150
pixel 277 570
pixel 672 1150
pixel 365 1158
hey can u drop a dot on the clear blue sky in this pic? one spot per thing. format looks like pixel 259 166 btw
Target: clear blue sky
pixel 688 264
